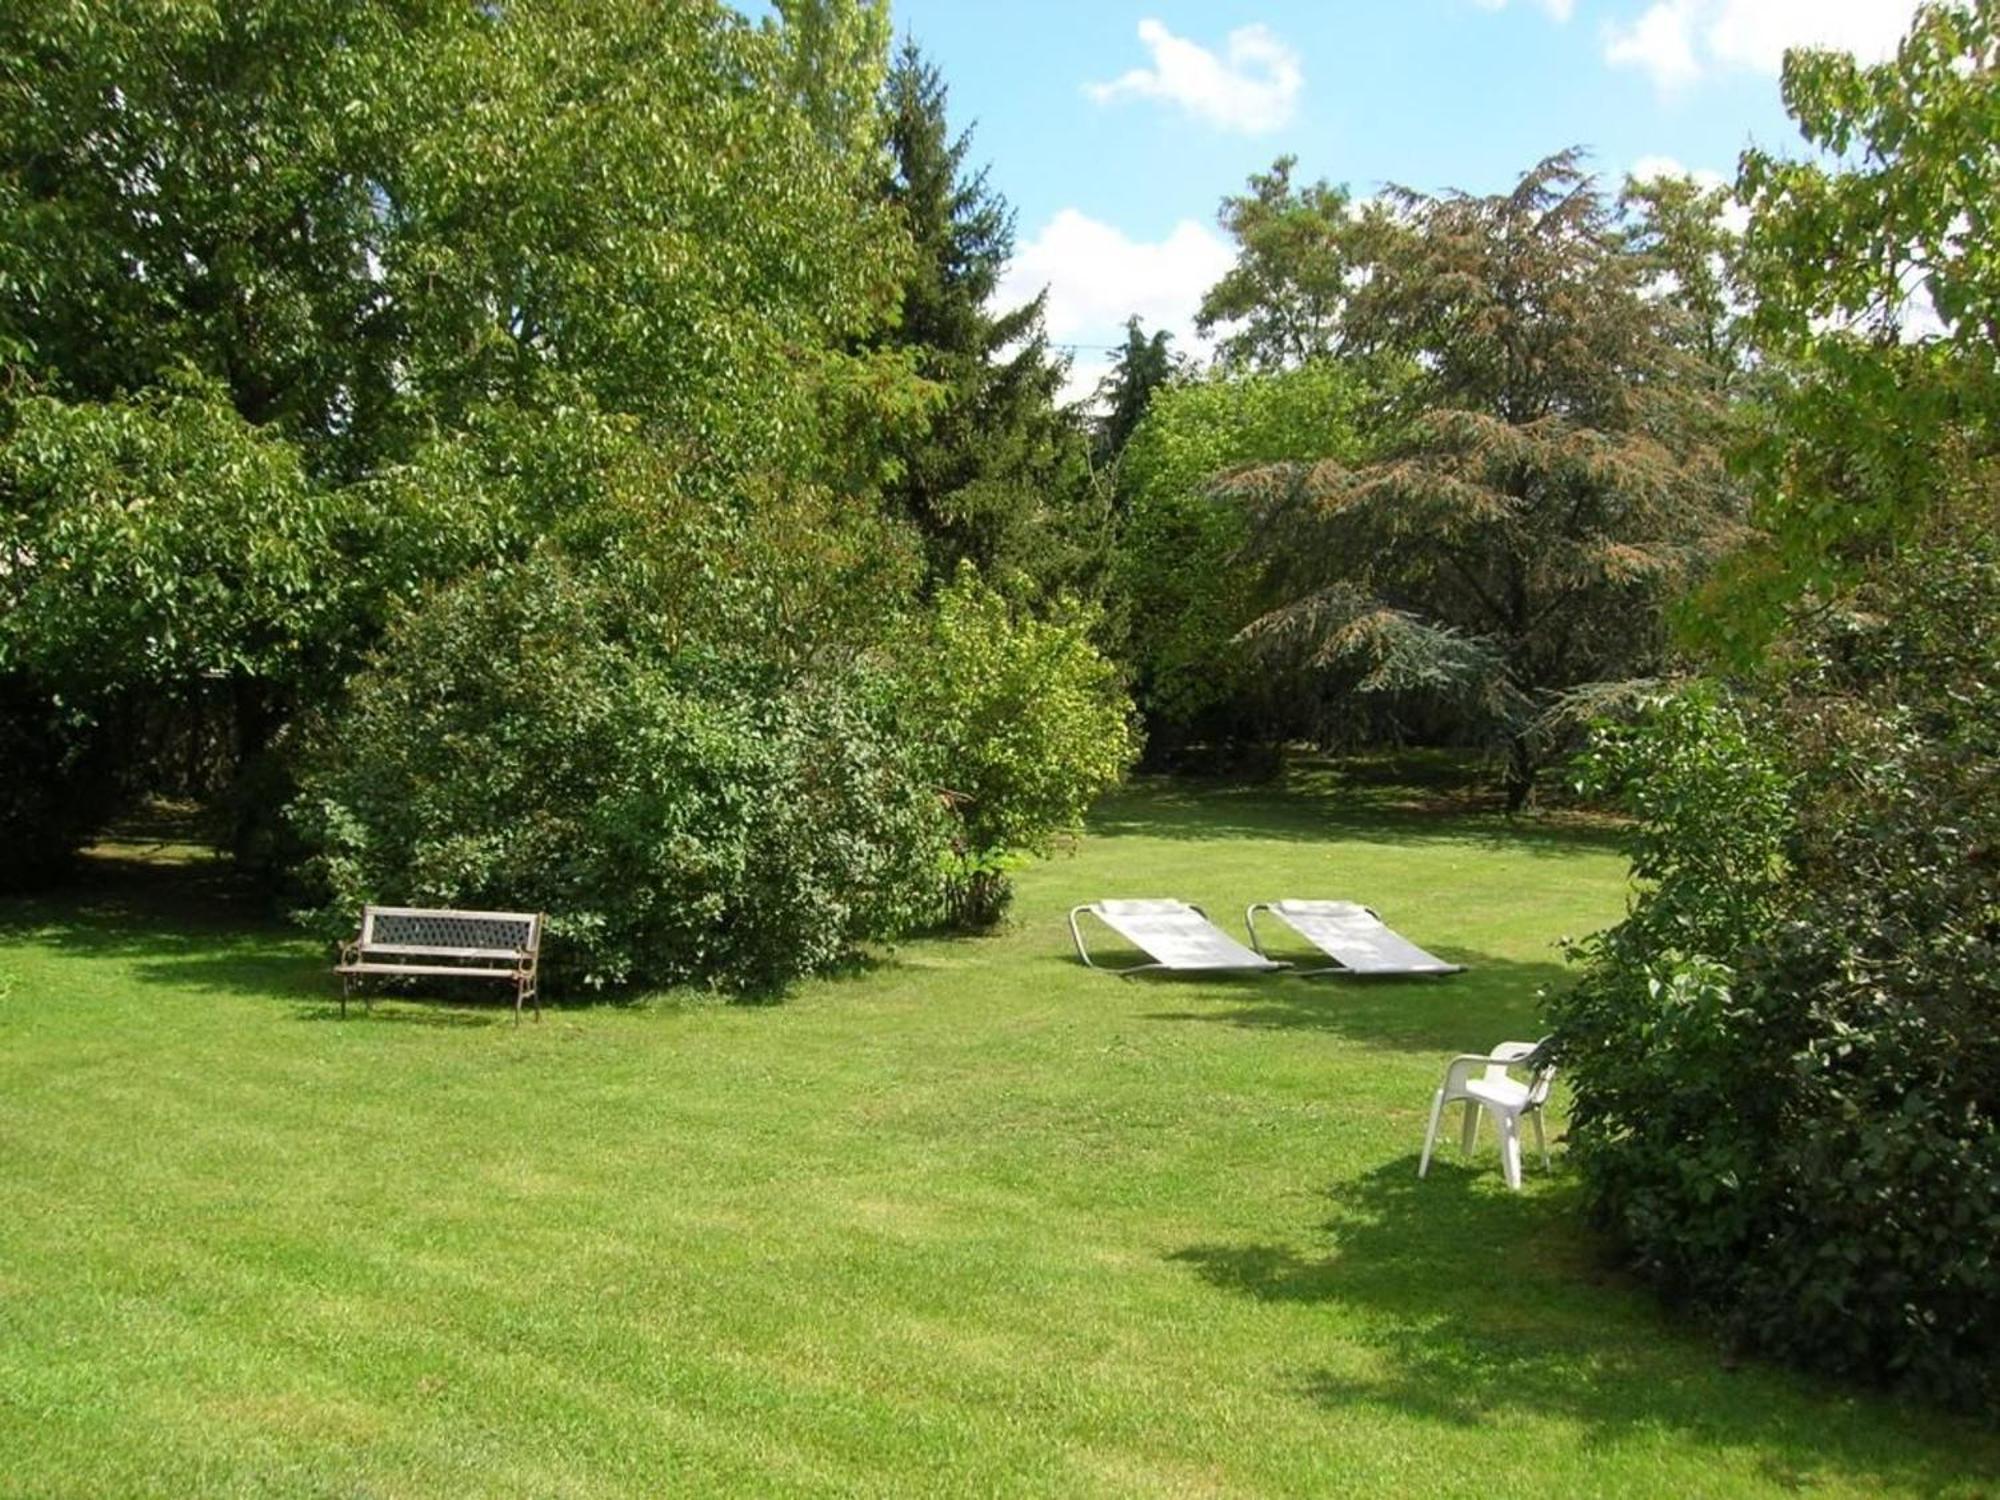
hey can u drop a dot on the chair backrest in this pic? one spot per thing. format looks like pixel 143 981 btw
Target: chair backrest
pixel 456 934
pixel 1540 1066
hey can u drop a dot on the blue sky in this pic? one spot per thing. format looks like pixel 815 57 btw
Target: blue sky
pixel 1115 127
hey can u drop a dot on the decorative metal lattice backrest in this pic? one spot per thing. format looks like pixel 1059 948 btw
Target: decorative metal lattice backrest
pixel 420 931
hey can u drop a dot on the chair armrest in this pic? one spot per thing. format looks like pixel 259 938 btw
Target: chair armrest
pixel 1462 1066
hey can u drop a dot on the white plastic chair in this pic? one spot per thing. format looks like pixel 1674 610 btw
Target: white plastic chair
pixel 1487 1083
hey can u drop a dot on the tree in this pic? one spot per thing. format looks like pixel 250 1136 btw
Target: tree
pixel 430 281
pixel 1137 370
pixel 1556 487
pixel 999 477
pixel 1876 312
pixel 1298 253
pixel 1683 229
pixel 835 55
pixel 1183 584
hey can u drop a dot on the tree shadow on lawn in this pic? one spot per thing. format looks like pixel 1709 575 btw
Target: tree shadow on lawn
pixel 197 928
pixel 1332 806
pixel 1479 1303
pixel 1495 1000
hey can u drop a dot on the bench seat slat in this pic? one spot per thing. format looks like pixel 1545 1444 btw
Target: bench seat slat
pixel 449 911
pixel 423 950
pixel 462 972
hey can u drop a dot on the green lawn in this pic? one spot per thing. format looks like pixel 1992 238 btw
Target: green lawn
pixel 975 1222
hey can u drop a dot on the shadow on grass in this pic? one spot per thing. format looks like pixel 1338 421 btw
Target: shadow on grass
pixel 195 927
pixel 1322 801
pixel 1482 1303
pixel 1495 1000
pixel 422 1013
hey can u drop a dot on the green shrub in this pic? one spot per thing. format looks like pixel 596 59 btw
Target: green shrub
pixel 1787 1060
pixel 679 819
pixel 1023 725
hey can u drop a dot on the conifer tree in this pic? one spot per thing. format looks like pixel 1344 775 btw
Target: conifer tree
pixel 1141 367
pixel 1556 483
pixel 1001 478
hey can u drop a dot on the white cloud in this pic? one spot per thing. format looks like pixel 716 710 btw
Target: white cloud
pixel 1097 276
pixel 1755 33
pixel 1559 10
pixel 1680 41
pixel 1252 89
pixel 1662 42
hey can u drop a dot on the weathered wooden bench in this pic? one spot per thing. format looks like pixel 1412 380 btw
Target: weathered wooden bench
pixel 401 941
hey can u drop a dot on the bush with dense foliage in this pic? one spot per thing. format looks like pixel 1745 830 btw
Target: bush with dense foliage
pixel 1022 723
pixel 680 817
pixel 1787 1059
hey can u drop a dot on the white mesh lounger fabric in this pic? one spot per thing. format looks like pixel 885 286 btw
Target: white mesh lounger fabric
pixel 1173 934
pixel 1358 941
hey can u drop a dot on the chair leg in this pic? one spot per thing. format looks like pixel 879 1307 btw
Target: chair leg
pixel 1510 1148
pixel 1470 1134
pixel 1541 1140
pixel 1431 1135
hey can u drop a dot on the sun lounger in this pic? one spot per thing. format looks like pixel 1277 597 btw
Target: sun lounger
pixel 1174 935
pixel 1357 940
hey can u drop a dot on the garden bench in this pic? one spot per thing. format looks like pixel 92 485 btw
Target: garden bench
pixel 401 941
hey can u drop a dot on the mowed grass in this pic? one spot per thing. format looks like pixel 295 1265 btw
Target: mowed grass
pixel 976 1221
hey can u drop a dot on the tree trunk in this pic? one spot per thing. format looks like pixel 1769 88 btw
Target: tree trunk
pixel 1522 764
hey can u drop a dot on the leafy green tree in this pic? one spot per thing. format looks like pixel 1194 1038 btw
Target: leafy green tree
pixel 1876 311
pixel 1784 1060
pixel 1683 229
pixel 835 55
pixel 1000 478
pixel 1283 303
pixel 1184 584
pixel 1518 542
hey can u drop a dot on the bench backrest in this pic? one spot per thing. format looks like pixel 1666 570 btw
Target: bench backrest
pixel 451 934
